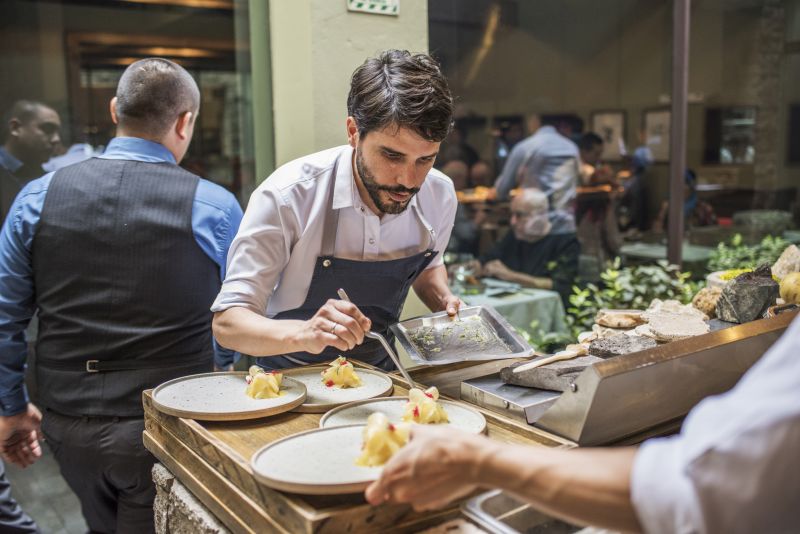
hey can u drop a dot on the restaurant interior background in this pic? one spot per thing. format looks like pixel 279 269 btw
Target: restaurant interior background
pixel 591 66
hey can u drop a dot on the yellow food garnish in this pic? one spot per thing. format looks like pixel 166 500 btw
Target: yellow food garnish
pixel 341 373
pixel 381 440
pixel 422 407
pixel 263 384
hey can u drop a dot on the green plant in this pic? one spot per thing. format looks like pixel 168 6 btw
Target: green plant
pixel 631 287
pixel 737 255
pixel 544 341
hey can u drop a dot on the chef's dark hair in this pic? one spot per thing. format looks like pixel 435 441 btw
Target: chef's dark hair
pixel 152 93
pixel 401 89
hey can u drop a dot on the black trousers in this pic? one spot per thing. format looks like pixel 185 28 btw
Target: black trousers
pixel 105 463
pixel 12 518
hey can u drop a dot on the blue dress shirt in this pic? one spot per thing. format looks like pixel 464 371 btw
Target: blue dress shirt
pixel 215 220
pixel 8 161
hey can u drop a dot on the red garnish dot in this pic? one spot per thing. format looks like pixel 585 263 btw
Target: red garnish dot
pixel 429 395
pixel 329 383
pixel 416 411
pixel 391 427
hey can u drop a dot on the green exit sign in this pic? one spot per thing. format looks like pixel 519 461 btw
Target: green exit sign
pixel 376 7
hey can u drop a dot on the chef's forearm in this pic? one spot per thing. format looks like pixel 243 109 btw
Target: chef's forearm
pixel 247 332
pixel 587 486
pixel 432 289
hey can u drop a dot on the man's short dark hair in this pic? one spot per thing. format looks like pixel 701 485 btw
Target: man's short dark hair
pixel 23 111
pixel 402 89
pixel 589 140
pixel 152 93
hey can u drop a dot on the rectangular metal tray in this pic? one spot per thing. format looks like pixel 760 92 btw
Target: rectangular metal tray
pixel 478 333
pixel 503 514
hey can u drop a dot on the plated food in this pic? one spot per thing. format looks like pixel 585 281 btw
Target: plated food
pixel 459 415
pixel 316 462
pixel 262 384
pixel 222 397
pixel 341 374
pixel 423 407
pixel 381 440
pixel 322 397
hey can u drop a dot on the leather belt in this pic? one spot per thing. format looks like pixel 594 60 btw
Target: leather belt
pixel 100 366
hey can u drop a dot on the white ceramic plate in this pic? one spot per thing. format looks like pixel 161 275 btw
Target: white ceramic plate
pixel 321 398
pixel 316 462
pixel 221 397
pixel 461 417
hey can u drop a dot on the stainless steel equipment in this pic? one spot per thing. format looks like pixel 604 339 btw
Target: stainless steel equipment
pixel 480 333
pixel 503 514
pixel 627 395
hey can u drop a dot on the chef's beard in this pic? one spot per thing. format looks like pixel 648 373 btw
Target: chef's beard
pixel 374 189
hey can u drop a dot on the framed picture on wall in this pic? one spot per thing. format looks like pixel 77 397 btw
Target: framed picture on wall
pixel 610 125
pixel 656 124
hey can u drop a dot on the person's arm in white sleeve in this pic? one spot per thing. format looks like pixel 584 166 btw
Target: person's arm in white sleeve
pixel 256 259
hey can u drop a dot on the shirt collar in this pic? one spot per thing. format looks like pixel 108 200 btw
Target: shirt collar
pixel 345 193
pixel 8 161
pixel 137 149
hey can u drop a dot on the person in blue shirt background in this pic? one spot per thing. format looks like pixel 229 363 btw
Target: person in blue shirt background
pixel 32 130
pixel 122 256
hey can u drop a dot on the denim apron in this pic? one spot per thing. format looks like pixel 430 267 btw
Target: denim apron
pixel 378 288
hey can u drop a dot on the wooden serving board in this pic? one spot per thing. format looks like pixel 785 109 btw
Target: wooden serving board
pixel 212 459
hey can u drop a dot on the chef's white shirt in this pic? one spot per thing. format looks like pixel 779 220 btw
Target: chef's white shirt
pixel 272 258
pixel 735 467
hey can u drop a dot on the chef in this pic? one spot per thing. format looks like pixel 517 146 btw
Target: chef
pixel 371 217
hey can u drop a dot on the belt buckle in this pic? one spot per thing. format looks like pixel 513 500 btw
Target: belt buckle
pixel 91 366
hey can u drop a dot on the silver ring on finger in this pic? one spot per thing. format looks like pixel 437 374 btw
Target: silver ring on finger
pixel 333 328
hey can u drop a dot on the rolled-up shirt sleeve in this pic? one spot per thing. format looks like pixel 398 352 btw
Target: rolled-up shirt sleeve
pixel 259 253
pixel 662 494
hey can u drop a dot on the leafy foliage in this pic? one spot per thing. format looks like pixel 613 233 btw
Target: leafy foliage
pixel 737 255
pixel 631 287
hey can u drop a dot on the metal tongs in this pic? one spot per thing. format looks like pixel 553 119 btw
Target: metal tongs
pixel 386 346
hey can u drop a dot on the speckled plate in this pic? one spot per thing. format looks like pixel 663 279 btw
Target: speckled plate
pixel 321 398
pixel 221 397
pixel 316 462
pixel 461 417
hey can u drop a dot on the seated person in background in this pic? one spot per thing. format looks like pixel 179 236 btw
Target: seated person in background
pixel 529 254
pixel 695 212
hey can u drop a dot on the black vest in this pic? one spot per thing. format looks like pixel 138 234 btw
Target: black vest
pixel 119 277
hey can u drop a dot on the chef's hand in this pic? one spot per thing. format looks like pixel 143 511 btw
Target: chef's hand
pixel 338 324
pixel 19 437
pixel 452 304
pixel 436 467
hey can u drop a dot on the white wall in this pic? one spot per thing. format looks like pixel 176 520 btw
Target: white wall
pixel 316 45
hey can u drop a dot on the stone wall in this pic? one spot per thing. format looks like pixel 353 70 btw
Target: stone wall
pixel 177 511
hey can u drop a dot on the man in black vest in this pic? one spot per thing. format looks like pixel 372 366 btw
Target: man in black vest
pixel 122 256
pixel 32 131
